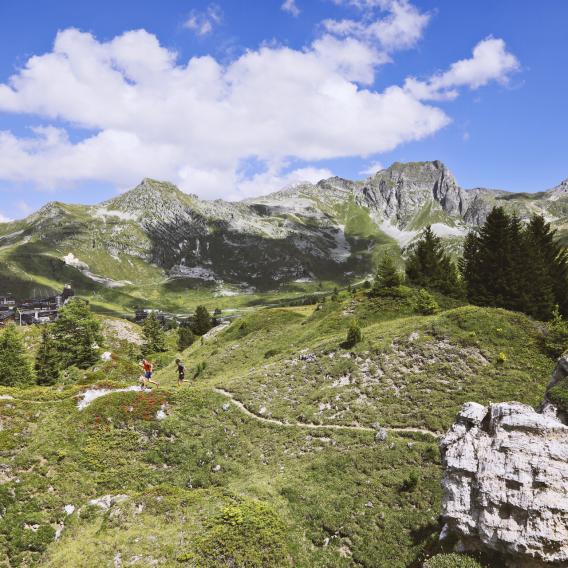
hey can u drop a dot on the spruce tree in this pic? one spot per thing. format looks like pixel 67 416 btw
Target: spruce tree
pixel 550 266
pixel 491 268
pixel 201 321
pixel 387 277
pixel 354 335
pixel 469 267
pixel 48 359
pixel 77 334
pixel 429 266
pixel 185 337
pixel 426 303
pixel 15 365
pixel 154 335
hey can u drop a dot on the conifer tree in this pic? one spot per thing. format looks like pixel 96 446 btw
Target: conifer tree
pixel 354 335
pixel 426 303
pixel 550 262
pixel 185 337
pixel 154 335
pixel 15 365
pixel 429 266
pixel 77 334
pixel 201 321
pixel 387 277
pixel 48 359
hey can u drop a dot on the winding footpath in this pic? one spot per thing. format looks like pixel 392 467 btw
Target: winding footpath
pixel 245 410
pixel 311 425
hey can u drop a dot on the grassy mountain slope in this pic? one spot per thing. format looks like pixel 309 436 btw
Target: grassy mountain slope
pixel 211 485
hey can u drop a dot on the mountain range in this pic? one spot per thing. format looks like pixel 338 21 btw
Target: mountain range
pixel 157 237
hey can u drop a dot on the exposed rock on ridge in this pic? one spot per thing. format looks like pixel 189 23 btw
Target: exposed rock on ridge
pixel 506 481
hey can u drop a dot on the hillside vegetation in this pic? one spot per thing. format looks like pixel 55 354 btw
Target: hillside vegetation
pixel 284 448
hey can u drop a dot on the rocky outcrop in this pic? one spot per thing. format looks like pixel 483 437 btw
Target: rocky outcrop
pixel 506 483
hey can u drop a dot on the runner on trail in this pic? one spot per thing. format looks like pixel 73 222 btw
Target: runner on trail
pixel 146 377
pixel 181 371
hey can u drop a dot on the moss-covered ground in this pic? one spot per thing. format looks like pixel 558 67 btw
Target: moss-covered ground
pixel 181 476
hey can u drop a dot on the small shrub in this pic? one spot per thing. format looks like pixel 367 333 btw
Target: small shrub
pixel 244 534
pixel 271 353
pixel 200 369
pixel 425 303
pixel 556 338
pixel 501 358
pixel 411 482
pixel 452 561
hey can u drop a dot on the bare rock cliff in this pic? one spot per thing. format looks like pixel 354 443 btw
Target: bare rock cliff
pixel 506 482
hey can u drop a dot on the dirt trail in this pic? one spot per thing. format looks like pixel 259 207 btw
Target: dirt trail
pixel 245 410
pixel 311 425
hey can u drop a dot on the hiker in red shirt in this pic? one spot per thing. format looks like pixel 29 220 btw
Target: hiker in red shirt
pixel 146 377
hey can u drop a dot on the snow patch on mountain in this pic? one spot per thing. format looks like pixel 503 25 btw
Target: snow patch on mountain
pixel 103 212
pixel 399 235
pixel 71 260
pixel 443 230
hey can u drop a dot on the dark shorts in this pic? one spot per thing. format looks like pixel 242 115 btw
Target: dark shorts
pixel 148 374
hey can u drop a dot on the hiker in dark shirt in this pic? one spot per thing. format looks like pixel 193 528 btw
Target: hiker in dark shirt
pixel 181 371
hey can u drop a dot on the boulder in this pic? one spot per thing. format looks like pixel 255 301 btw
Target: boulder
pixel 506 483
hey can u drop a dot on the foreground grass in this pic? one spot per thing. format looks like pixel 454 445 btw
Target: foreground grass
pixel 209 485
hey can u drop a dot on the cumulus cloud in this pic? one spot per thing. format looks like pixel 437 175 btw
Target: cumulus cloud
pixel 372 169
pixel 202 23
pixel 136 110
pixel 401 27
pixel 4 219
pixel 291 7
pixel 490 61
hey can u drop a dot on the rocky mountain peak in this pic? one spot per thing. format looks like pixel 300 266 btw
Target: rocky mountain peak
pixel 151 197
pixel 558 192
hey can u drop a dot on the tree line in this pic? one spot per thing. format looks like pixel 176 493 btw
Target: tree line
pixel 72 340
pixel 505 263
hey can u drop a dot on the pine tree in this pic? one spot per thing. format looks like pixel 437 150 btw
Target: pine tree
pixel 185 337
pixel 48 359
pixel 429 266
pixel 15 365
pixel 387 277
pixel 201 321
pixel 77 335
pixel 154 335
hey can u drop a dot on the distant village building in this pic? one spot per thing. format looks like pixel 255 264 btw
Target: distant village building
pixel 42 310
pixel 142 313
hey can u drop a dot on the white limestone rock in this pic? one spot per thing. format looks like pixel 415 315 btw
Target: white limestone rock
pixel 506 483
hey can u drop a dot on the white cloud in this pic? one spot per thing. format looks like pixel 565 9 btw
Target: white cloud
pixel 401 28
pixel 24 207
pixel 372 169
pixel 490 61
pixel 291 7
pixel 202 23
pixel 267 182
pixel 143 112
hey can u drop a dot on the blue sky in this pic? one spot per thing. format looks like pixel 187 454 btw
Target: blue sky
pixel 234 99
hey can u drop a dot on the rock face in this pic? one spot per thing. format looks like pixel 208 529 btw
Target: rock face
pixel 506 483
